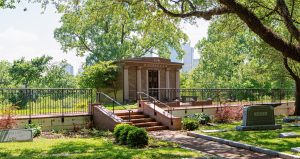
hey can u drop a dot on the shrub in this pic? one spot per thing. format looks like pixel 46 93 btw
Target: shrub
pixel 200 117
pixel 118 129
pixel 7 121
pixel 190 123
pixel 123 134
pixel 228 114
pixel 137 137
pixel 19 99
pixel 36 129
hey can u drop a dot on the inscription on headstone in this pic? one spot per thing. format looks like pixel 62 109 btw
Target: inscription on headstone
pixel 259 117
pixel 16 135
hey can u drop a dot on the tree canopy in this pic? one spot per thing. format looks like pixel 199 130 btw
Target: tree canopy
pixel 236 59
pixel 113 30
pixel 26 72
pixel 102 75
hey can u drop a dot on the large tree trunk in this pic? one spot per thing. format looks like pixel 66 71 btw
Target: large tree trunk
pixel 297 98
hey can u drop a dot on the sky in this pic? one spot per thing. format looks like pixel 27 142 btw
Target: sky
pixel 29 34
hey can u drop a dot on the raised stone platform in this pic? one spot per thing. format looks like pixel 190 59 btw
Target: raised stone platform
pixel 258 127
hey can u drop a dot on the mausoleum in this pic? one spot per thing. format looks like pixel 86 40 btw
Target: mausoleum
pixel 142 74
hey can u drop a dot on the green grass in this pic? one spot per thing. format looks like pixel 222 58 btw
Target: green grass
pixel 117 107
pixel 267 138
pixel 89 148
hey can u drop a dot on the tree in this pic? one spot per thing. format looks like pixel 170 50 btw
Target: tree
pixel 275 22
pixel 114 30
pixel 57 77
pixel 5 78
pixel 27 72
pixel 102 75
pixel 237 59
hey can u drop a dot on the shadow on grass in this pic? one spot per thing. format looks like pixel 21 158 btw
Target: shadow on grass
pixel 104 149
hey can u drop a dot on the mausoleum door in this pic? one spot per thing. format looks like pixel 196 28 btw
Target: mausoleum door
pixel 153 82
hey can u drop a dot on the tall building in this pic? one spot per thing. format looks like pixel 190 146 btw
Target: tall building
pixel 70 69
pixel 188 59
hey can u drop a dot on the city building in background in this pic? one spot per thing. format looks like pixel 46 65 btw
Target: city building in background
pixel 70 69
pixel 189 60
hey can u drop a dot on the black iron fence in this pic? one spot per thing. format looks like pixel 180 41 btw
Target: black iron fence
pixel 224 95
pixel 31 102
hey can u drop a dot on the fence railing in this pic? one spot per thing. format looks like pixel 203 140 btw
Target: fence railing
pixel 145 97
pixel 107 101
pixel 224 95
pixel 33 102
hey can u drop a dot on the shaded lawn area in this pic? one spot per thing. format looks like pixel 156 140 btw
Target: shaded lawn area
pixel 117 107
pixel 89 148
pixel 266 138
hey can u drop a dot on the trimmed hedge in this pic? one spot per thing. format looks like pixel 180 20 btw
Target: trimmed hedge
pixel 190 124
pixel 131 135
pixel 118 129
pixel 124 134
pixel 137 137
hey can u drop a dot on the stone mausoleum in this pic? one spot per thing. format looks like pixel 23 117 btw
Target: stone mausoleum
pixel 142 74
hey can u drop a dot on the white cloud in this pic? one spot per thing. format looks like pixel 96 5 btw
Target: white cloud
pixel 15 35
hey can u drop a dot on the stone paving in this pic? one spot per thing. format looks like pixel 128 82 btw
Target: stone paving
pixel 208 147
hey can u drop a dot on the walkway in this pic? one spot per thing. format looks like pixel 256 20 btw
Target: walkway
pixel 208 147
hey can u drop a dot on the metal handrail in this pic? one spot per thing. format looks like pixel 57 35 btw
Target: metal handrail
pixel 115 102
pixel 170 109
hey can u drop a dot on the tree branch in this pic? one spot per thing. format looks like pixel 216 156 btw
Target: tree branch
pixel 288 20
pixel 262 31
pixel 287 67
pixel 207 15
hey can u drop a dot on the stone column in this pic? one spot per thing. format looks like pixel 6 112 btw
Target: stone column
pixel 126 84
pixel 168 78
pixel 139 79
pixel 168 83
pixel 177 79
pixel 177 86
pixel 147 82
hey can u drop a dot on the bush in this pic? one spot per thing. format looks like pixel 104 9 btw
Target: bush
pixel 190 124
pixel 123 134
pixel 200 117
pixel 19 99
pixel 117 131
pixel 137 137
pixel 7 121
pixel 228 114
pixel 36 129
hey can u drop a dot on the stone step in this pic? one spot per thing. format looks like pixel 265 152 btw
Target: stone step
pixel 141 120
pixel 147 124
pixel 134 117
pixel 156 128
pixel 126 113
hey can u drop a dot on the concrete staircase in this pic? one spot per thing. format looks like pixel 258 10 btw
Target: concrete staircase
pixel 140 120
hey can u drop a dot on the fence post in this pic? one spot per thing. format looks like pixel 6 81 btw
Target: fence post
pixel 62 105
pixel 30 104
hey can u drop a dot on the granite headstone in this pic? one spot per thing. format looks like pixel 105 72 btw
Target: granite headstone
pixel 16 135
pixel 260 117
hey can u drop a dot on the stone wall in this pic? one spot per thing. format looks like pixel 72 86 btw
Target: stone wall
pixel 103 119
pixel 57 123
pixel 284 109
pixel 161 116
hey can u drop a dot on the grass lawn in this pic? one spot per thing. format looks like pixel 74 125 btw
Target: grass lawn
pixel 90 148
pixel 267 139
pixel 117 107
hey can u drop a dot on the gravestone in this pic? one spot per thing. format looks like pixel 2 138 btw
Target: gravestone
pixel 296 149
pixel 290 119
pixel 289 135
pixel 259 117
pixel 16 135
pixel 213 131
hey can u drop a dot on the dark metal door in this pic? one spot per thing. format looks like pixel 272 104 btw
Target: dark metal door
pixel 153 83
